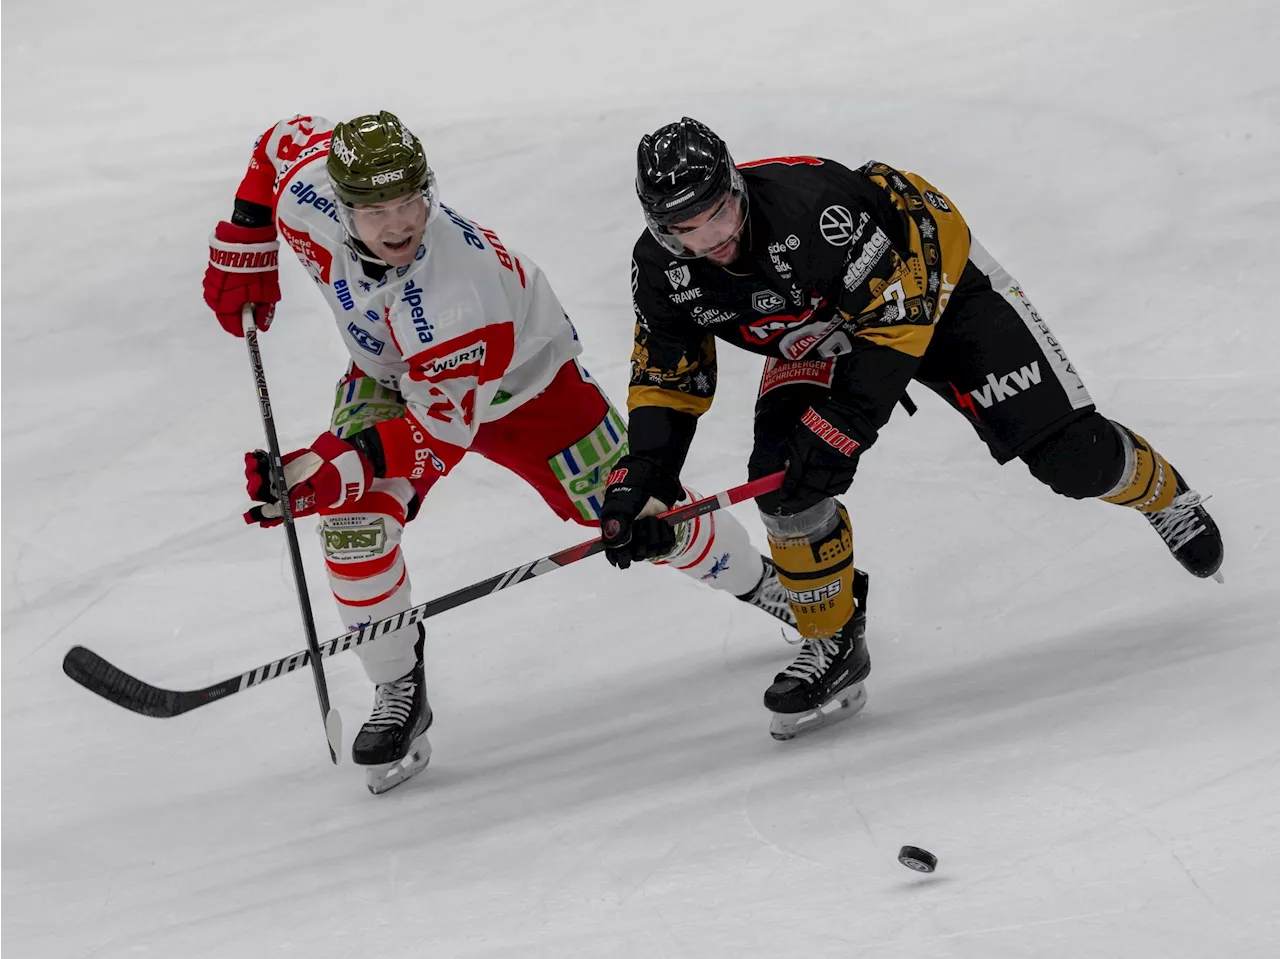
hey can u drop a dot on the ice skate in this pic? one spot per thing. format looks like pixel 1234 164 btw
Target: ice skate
pixel 1190 532
pixel 393 743
pixel 825 683
pixel 769 595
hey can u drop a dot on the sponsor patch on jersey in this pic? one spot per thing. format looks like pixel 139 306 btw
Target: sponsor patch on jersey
pixel 504 257
pixel 799 342
pixel 484 354
pixel 678 277
pixel 767 301
pixel 789 373
pixel 709 316
pixel 317 260
pixel 365 339
pixel 836 225
pixel 937 201
pixel 782 266
pixel 343 294
pixel 411 296
pixel 769 328
pixel 307 195
pixel 793 242
pixel 873 251
pixel 468 229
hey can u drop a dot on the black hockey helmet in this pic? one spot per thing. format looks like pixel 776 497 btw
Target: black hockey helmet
pixel 684 169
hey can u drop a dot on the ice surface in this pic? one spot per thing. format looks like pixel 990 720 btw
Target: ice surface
pixel 1084 735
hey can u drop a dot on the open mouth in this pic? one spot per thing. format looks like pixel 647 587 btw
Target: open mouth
pixel 398 245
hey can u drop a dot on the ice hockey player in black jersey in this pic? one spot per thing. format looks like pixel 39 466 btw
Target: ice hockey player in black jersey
pixel 853 283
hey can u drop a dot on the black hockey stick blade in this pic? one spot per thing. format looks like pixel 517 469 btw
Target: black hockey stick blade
pixel 111 682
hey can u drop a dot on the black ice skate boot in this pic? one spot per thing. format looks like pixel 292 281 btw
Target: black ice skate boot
pixel 393 743
pixel 769 595
pixel 1190 532
pixel 824 684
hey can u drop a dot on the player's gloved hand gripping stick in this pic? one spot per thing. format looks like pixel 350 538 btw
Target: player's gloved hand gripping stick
pixel 330 716
pixel 108 681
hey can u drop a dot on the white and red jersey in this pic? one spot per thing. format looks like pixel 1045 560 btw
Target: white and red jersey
pixel 467 332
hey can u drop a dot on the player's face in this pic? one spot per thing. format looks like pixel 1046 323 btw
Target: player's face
pixel 393 229
pixel 715 233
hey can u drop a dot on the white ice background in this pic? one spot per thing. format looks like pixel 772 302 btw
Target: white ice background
pixel 1086 736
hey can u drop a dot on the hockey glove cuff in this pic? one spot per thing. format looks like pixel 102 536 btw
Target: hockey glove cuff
pixel 243 268
pixel 822 456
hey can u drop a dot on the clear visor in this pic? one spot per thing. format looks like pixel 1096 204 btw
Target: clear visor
pixel 391 220
pixel 709 230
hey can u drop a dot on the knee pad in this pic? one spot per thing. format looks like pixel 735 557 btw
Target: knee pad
pixel 368 576
pixel 1082 460
pixel 361 542
pixel 813 551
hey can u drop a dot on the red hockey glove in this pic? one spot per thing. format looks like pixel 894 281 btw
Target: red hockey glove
pixel 242 269
pixel 326 475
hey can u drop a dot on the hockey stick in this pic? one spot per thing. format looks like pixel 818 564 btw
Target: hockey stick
pixel 329 716
pixel 99 676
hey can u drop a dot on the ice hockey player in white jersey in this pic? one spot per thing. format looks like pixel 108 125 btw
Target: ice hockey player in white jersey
pixel 457 343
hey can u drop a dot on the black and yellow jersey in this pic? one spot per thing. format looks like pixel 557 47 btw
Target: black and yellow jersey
pixel 837 262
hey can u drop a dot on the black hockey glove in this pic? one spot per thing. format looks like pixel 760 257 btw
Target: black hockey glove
pixel 637 484
pixel 822 456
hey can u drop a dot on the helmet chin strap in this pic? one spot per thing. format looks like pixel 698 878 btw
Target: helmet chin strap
pixel 359 249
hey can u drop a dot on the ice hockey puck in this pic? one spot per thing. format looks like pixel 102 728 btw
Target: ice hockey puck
pixel 921 860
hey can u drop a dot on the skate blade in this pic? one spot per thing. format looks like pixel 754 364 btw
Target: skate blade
pixel 388 776
pixel 845 705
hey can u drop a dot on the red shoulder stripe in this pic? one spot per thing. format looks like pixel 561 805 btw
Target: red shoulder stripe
pixel 789 161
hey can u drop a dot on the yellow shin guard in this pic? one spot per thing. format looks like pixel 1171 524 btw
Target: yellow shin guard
pixel 1147 483
pixel 817 573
